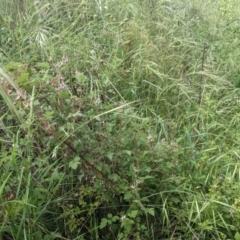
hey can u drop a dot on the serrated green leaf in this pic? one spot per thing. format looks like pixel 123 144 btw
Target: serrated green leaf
pixel 133 214
pixel 114 177
pixel 74 163
pixel 103 223
pixel 150 211
pixel 115 218
pixel 127 196
pixel 110 155
pixel 237 236
pixel 129 153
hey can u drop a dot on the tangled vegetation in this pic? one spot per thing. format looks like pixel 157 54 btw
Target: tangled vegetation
pixel 119 120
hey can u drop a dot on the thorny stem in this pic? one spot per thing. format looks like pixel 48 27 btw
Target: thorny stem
pixel 50 131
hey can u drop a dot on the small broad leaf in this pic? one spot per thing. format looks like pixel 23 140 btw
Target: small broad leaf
pixel 127 195
pixel 110 155
pixel 115 218
pixel 74 163
pixel 237 236
pixel 129 153
pixel 150 211
pixel 114 177
pixel 133 214
pixel 143 227
pixel 103 223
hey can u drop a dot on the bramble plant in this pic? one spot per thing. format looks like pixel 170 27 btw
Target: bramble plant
pixel 119 120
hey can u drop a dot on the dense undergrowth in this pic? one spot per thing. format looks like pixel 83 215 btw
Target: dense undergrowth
pixel 119 120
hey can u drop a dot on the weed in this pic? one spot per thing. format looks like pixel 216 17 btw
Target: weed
pixel 119 120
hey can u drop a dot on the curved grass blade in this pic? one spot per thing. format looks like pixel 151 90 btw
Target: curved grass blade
pixel 6 97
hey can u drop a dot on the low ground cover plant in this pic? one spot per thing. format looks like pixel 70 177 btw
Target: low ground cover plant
pixel 119 120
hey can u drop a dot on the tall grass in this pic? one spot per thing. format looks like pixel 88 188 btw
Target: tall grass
pixel 119 120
